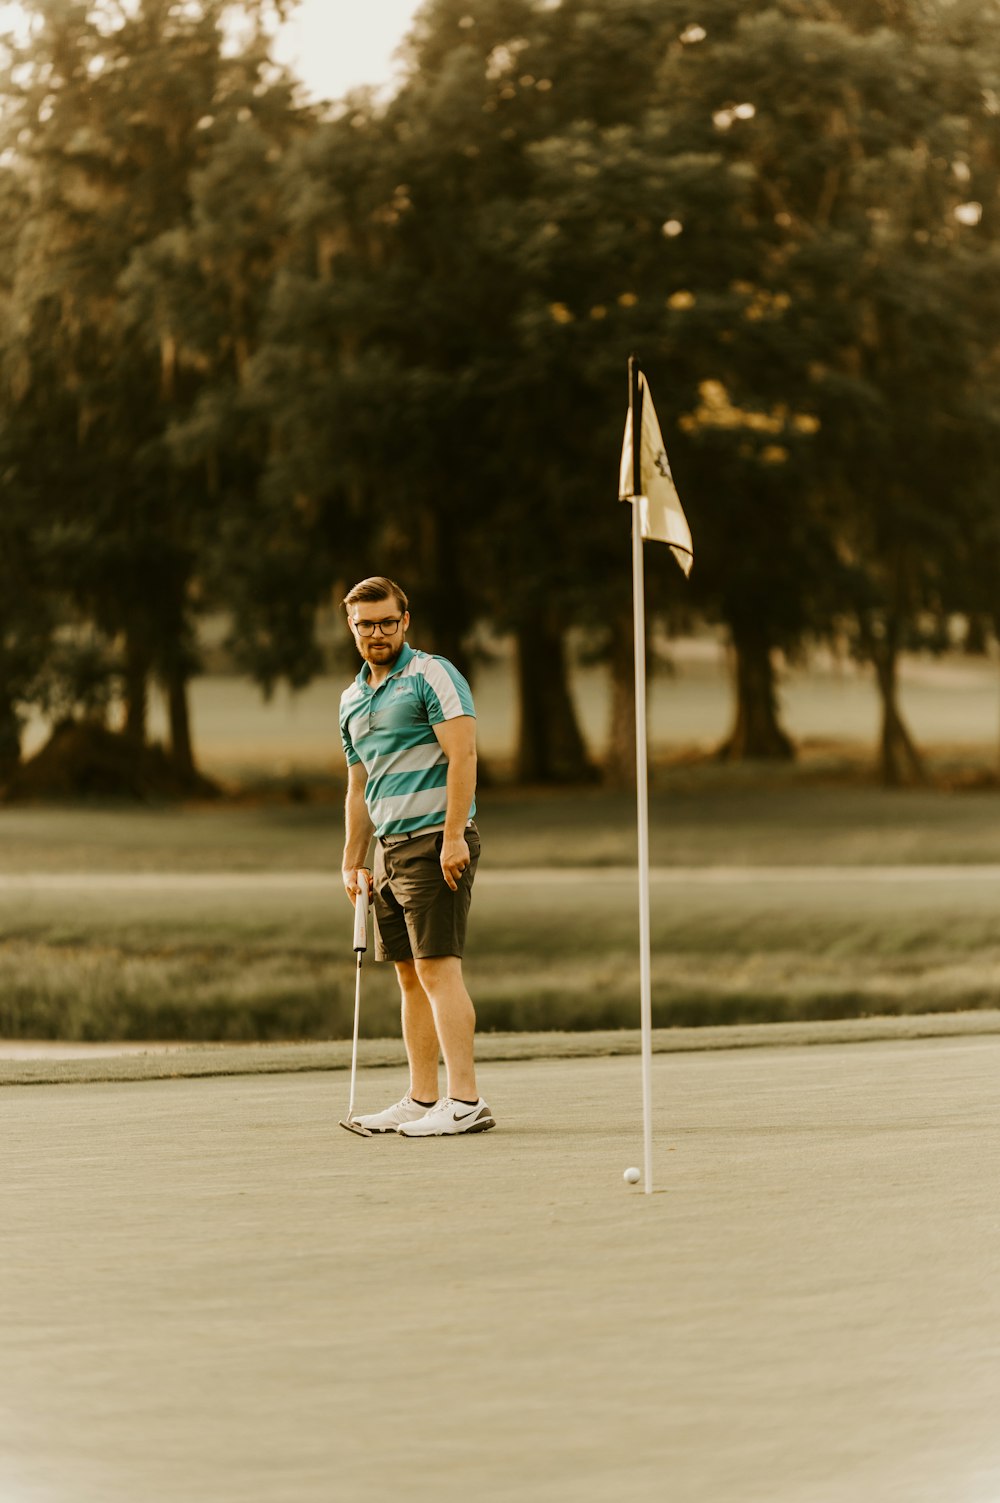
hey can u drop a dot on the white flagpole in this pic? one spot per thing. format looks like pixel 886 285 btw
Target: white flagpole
pixel 641 783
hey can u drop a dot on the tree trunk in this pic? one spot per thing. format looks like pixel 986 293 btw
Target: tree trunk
pixel 136 690
pixel 996 633
pixel 757 732
pixel 619 769
pixel 443 615
pixel 977 636
pixel 10 739
pixel 550 748
pixel 900 762
pixel 444 639
pixel 181 749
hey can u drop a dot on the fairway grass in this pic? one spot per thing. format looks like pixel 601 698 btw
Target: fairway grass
pixel 703 815
pixel 240 961
pixel 774 898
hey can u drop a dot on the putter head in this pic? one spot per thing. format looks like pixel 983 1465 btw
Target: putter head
pixel 350 1125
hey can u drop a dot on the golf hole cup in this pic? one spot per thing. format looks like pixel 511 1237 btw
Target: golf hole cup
pixel 631 1176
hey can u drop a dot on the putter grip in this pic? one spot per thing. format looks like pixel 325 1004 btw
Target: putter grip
pixel 361 919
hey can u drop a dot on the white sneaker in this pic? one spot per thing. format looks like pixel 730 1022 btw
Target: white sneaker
pixel 449 1117
pixel 393 1117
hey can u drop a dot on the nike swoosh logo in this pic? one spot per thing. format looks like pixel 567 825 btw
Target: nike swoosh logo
pixel 461 1116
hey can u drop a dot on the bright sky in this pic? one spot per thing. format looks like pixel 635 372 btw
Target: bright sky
pixel 335 45
pixel 332 45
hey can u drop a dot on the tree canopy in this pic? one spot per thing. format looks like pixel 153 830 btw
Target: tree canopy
pixel 250 351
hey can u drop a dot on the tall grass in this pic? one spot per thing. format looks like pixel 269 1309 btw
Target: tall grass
pixel 545 953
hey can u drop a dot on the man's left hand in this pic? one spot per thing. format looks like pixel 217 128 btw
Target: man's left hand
pixel 454 860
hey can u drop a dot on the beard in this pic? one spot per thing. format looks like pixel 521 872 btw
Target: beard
pixel 382 653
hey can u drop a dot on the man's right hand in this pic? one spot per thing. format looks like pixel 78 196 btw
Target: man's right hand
pixel 353 878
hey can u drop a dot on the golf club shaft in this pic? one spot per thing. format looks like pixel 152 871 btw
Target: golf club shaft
pixel 360 946
pixel 354 1047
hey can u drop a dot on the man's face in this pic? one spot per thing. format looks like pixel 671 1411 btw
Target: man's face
pixel 379 629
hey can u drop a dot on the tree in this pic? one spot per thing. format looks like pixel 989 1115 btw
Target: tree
pixel 775 230
pixel 109 113
pixel 895 294
pixel 640 238
pixel 199 295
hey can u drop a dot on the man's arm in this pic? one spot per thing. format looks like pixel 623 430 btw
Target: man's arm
pixel 457 739
pixel 358 831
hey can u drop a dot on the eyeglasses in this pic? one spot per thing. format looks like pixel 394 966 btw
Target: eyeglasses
pixel 387 626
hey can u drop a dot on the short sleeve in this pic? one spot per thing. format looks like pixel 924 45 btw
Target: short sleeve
pixel 446 692
pixel 345 736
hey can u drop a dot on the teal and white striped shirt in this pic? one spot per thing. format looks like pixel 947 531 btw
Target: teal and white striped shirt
pixel 390 730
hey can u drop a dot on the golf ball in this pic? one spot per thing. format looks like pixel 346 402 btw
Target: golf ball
pixel 631 1176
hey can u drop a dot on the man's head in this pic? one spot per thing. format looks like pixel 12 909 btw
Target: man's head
pixel 378 617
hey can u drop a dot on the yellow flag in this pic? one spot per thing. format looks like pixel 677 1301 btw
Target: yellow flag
pixel 661 516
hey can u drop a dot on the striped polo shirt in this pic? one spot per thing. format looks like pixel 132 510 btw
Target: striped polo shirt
pixel 390 730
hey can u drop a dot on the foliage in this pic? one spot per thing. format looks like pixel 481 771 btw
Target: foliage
pixel 114 126
pixel 249 353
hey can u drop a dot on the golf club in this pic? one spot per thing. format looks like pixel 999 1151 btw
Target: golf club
pixel 360 946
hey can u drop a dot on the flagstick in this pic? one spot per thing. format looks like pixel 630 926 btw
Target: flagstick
pixel 642 801
pixel 641 779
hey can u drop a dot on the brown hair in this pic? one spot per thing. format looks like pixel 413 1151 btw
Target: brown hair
pixel 378 587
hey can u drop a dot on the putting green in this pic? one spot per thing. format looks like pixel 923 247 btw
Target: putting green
pixel 211 1292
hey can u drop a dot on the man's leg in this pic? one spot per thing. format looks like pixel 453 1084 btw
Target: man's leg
pixel 419 1033
pixel 422 1050
pixel 440 980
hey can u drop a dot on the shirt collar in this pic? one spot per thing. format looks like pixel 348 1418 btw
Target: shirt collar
pixel 364 677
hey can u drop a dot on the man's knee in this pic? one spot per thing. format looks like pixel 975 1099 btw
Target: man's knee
pixel 406 975
pixel 437 970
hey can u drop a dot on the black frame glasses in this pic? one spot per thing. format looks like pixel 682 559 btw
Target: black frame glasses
pixel 388 627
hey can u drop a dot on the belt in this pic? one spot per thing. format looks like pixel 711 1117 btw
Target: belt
pixel 391 840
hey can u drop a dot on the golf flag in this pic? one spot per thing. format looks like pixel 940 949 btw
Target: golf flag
pixel 646 481
pixel 645 478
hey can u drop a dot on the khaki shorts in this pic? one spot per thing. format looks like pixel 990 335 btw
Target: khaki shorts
pixel 417 916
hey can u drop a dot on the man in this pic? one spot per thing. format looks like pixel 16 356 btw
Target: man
pixel 409 733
